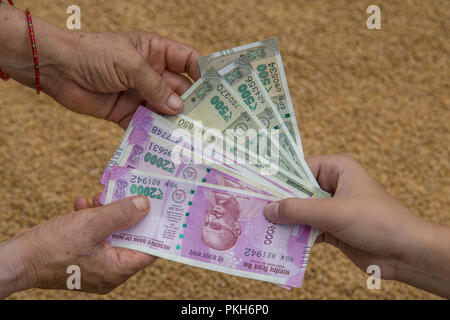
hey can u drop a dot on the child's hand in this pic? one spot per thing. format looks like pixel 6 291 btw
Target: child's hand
pixel 369 226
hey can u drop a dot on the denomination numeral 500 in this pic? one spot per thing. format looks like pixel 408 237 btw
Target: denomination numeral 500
pixel 223 110
pixel 263 74
pixel 247 96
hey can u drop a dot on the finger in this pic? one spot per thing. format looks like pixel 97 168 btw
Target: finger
pixel 21 232
pixel 341 174
pixel 330 169
pixel 123 107
pixel 78 99
pixel 331 215
pixel 183 59
pixel 96 201
pixel 326 237
pixel 154 89
pixel 176 81
pixel 119 215
pixel 134 260
pixel 177 57
pixel 81 203
pixel 326 171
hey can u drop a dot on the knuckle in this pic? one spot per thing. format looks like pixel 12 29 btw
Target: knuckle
pixel 346 160
pixel 84 217
pixel 160 89
pixel 138 64
pixel 145 35
pixel 344 157
pixel 126 210
pixel 142 34
pixel 151 37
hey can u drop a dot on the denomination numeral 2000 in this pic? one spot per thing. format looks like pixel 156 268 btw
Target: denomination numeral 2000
pixel 154 193
pixel 159 162
pixel 269 235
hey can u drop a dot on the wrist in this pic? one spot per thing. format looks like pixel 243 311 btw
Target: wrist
pixel 14 267
pixel 426 261
pixel 16 57
pixel 413 245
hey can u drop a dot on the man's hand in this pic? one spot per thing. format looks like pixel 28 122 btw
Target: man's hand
pixel 39 257
pixel 105 75
pixel 369 226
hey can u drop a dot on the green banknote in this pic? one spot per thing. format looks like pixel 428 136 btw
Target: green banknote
pixel 212 104
pixel 265 58
pixel 246 84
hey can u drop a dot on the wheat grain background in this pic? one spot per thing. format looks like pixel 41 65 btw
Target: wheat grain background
pixel 380 95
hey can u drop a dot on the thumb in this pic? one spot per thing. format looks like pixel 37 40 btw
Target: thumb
pixel 119 215
pixel 327 214
pixel 154 90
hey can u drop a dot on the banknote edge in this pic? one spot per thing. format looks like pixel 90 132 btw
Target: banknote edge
pixel 204 265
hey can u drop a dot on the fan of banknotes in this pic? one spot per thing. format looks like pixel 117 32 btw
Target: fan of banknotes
pixel 211 170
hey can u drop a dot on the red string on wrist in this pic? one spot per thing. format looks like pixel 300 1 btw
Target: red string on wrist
pixel 34 49
pixel 2 75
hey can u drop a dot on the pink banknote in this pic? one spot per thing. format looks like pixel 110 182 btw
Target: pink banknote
pixel 213 227
pixel 143 120
pixel 156 156
pixel 146 124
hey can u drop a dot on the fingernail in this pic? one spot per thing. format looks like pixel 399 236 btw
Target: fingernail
pixel 141 203
pixel 271 211
pixel 175 103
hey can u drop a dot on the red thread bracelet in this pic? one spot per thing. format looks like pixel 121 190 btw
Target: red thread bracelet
pixel 2 75
pixel 34 49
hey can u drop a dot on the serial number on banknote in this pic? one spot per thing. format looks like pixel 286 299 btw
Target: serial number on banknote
pixel 263 74
pixel 165 135
pixel 246 90
pixel 154 147
pixel 145 180
pixel 226 95
pixel 249 252
pixel 185 124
